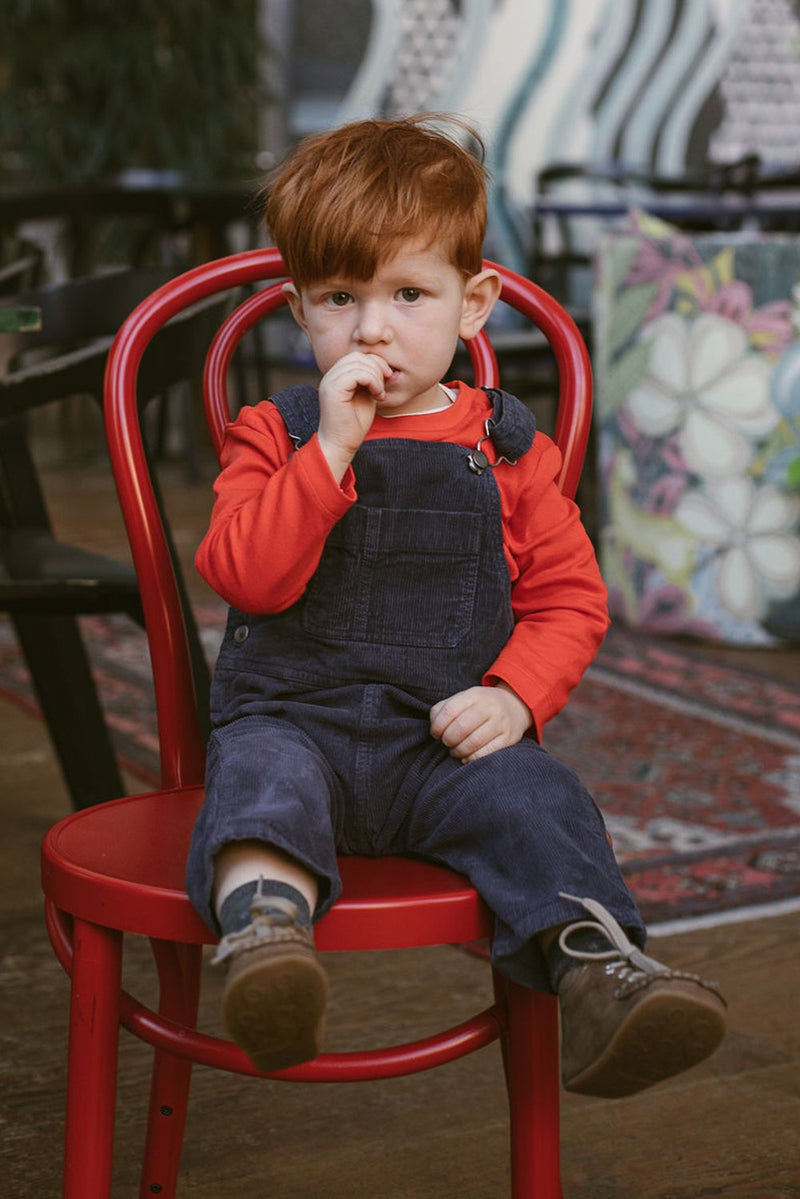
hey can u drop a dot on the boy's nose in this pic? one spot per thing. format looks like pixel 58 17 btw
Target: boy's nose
pixel 372 326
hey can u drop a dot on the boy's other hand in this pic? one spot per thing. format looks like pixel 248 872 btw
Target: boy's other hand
pixel 348 395
pixel 480 720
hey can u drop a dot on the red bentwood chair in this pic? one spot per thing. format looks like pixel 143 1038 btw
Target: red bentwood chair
pixel 118 867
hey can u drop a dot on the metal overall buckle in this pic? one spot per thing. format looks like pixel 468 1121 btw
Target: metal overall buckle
pixel 477 460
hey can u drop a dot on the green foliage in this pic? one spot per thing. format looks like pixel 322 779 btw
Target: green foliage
pixel 616 381
pixel 631 305
pixel 92 87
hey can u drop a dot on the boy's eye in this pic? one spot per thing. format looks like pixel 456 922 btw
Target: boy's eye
pixel 410 294
pixel 339 299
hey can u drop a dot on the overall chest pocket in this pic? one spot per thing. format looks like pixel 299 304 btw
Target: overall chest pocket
pixel 397 577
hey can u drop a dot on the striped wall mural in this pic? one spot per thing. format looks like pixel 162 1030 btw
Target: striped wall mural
pixel 663 85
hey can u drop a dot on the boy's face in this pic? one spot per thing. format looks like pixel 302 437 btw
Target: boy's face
pixel 411 313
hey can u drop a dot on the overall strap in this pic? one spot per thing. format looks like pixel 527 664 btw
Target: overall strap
pixel 512 426
pixel 299 407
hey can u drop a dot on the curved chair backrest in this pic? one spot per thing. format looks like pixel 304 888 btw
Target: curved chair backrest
pixel 181 742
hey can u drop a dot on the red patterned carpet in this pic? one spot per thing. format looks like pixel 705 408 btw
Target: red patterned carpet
pixel 695 765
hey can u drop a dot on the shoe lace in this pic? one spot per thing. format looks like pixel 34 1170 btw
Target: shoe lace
pixel 623 958
pixel 633 969
pixel 274 918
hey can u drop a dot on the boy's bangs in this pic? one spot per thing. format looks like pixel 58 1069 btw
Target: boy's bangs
pixel 340 249
pixel 354 250
pixel 349 199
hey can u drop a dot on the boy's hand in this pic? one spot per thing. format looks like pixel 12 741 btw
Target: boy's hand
pixel 478 721
pixel 348 394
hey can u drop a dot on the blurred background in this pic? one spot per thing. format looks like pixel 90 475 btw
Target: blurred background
pixel 176 96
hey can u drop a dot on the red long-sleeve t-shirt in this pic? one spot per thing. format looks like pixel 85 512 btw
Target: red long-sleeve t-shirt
pixel 274 508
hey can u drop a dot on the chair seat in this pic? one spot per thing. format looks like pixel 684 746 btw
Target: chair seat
pixel 30 552
pixel 38 573
pixel 103 864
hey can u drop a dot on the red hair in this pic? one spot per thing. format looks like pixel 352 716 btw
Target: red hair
pixel 346 199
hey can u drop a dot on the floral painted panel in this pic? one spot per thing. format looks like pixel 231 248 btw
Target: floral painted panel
pixel 697 362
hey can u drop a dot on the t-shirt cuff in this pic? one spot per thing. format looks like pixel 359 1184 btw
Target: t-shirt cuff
pixel 333 496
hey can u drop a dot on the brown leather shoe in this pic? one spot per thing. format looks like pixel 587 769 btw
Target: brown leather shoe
pixel 273 1003
pixel 627 1020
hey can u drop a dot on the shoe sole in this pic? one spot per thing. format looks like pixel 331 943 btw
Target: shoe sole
pixel 274 1009
pixel 662 1036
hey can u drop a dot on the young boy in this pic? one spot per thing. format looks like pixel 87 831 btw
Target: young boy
pixel 404 621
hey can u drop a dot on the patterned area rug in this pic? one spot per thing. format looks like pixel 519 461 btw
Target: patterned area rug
pixel 695 765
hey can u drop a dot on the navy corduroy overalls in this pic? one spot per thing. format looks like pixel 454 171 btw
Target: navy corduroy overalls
pixel 321 739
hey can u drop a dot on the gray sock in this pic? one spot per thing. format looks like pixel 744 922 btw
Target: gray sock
pixel 235 911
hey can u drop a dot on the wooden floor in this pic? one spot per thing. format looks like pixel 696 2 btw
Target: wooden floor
pixel 730 1127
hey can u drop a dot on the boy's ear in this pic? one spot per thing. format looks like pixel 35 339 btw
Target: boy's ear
pixel 295 303
pixel 480 296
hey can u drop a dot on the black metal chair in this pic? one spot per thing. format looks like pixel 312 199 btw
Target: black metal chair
pixel 576 202
pixel 21 264
pixel 45 584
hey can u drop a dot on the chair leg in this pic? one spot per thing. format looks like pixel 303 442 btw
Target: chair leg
pixel 62 677
pixel 92 1062
pixel 531 1060
pixel 179 975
